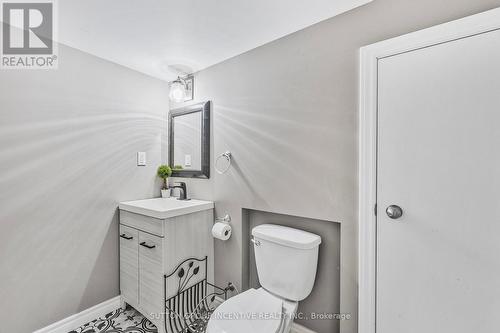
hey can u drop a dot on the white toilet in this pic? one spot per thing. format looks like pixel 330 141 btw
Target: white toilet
pixel 286 260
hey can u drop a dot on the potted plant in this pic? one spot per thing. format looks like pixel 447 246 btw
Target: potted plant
pixel 164 171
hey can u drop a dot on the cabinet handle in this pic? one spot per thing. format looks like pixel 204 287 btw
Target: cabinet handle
pixel 148 246
pixel 126 237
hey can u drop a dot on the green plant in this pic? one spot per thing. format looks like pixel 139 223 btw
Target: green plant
pixel 177 167
pixel 164 171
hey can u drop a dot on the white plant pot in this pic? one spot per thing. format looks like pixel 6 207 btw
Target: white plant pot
pixel 165 193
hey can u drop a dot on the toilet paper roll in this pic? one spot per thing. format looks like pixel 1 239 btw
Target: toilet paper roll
pixel 221 231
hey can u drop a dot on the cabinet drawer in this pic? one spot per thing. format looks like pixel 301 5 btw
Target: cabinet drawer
pixel 151 247
pixel 141 222
pixel 129 264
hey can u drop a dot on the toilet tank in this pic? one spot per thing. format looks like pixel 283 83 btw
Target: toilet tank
pixel 286 260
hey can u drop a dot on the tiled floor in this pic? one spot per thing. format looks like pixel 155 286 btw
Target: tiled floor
pixel 129 321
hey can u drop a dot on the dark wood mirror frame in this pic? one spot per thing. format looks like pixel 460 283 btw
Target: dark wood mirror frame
pixel 204 108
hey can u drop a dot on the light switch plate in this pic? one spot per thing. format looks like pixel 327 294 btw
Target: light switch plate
pixel 141 158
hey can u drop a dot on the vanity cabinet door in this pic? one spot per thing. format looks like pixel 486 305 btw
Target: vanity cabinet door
pixel 129 264
pixel 151 274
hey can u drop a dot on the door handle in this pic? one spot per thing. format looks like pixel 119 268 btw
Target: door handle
pixel 148 246
pixel 126 237
pixel 394 212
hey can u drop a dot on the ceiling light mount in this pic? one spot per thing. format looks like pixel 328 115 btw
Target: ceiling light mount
pixel 182 89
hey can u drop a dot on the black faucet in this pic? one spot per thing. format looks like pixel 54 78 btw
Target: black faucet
pixel 183 194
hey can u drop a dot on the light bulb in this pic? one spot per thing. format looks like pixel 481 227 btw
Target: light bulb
pixel 177 91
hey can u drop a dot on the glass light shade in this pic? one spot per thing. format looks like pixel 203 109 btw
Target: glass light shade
pixel 177 91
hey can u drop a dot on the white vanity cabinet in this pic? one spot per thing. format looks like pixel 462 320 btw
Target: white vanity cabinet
pixel 153 243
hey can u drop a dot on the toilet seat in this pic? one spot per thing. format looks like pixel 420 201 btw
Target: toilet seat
pixel 254 310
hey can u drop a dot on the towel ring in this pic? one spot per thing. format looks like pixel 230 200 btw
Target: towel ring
pixel 227 156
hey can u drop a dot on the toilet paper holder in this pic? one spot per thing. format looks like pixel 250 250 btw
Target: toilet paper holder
pixel 225 219
pixel 222 228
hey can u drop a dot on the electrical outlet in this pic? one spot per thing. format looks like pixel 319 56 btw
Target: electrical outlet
pixel 187 160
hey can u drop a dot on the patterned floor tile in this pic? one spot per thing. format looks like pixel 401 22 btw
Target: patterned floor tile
pixel 127 321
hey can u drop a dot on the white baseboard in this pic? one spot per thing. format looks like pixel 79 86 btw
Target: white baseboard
pixel 70 323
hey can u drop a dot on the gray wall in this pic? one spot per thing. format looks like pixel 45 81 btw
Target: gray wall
pixel 288 113
pixel 286 110
pixel 68 144
pixel 325 296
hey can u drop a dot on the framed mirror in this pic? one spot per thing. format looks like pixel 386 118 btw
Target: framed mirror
pixel 189 141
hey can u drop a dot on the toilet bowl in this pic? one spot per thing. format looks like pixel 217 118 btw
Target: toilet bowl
pixel 254 310
pixel 286 260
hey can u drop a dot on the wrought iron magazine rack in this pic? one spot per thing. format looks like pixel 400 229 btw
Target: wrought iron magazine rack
pixel 189 310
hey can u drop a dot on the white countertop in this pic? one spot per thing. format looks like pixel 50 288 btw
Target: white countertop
pixel 163 208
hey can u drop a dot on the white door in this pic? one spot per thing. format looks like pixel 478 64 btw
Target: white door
pixel 438 266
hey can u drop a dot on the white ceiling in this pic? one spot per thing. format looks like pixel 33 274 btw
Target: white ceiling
pixel 157 37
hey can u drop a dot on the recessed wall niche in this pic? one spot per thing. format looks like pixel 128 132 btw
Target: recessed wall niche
pixel 325 297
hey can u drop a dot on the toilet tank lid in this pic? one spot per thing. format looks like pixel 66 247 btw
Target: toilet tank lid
pixel 286 236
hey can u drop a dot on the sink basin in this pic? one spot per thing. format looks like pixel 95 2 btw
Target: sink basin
pixel 163 208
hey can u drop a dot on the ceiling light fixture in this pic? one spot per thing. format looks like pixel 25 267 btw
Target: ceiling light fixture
pixel 181 89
